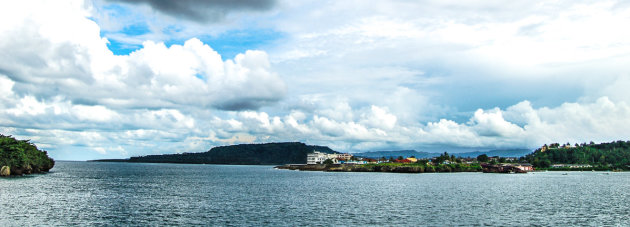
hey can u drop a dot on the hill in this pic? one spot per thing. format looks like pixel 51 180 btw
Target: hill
pixel 613 155
pixel 19 157
pixel 242 154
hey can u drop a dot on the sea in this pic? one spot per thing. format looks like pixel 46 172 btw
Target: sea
pixel 142 194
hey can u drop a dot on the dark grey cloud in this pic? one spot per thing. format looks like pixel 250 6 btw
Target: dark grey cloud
pixel 240 104
pixel 203 10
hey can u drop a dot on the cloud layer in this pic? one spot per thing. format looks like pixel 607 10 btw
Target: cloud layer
pixel 61 54
pixel 394 75
pixel 204 10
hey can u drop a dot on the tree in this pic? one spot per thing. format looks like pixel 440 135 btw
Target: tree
pixel 328 162
pixel 482 158
pixel 22 154
pixel 400 158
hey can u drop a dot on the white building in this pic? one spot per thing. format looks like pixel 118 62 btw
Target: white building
pixel 344 156
pixel 318 157
pixel 315 158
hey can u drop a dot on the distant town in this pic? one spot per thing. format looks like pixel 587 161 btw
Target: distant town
pixel 613 156
pixel 346 162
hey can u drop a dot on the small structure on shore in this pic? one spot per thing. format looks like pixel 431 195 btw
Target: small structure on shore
pixel 507 168
pixel 572 166
pixel 319 157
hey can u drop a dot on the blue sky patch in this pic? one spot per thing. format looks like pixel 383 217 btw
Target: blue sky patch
pixel 234 42
pixel 119 48
pixel 231 43
pixel 136 29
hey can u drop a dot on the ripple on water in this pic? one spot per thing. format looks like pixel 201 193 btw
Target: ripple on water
pixel 87 193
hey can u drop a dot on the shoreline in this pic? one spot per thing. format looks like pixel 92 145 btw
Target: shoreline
pixel 387 168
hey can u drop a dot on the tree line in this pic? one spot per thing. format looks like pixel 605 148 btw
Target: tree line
pixel 613 155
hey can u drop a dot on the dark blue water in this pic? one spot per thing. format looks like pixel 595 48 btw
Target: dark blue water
pixel 85 193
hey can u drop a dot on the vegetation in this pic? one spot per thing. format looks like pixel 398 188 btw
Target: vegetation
pixel 23 157
pixel 482 158
pixel 243 154
pixel 445 157
pixel 409 168
pixel 604 156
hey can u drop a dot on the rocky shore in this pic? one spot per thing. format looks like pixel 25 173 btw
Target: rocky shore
pixel 6 171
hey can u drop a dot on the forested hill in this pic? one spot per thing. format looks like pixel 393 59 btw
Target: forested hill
pixel 19 157
pixel 611 155
pixel 243 154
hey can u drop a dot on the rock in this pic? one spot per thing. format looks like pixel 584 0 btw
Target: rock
pixel 5 171
pixel 28 169
pixel 17 171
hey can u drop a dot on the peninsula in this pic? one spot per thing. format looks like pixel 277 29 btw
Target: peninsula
pixel 444 163
pixel 19 157
pixel 242 154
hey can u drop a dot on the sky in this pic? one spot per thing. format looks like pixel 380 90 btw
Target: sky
pixel 119 78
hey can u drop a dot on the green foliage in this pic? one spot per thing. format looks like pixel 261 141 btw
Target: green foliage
pixel 611 155
pixel 444 157
pixel 328 162
pixel 482 158
pixel 23 154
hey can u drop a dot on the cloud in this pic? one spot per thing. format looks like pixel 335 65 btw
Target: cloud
pixel 194 74
pixel 453 56
pixel 491 123
pixel 49 62
pixel 518 126
pixel 61 78
pixel 204 10
pixel 94 113
pixel 432 76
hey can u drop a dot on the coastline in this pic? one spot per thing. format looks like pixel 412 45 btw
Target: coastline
pixel 384 167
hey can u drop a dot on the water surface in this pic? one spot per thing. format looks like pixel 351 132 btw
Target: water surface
pixel 88 193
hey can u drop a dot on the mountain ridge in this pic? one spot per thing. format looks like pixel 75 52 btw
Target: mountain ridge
pixel 242 154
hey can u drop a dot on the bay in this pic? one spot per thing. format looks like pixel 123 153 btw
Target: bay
pixel 92 193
